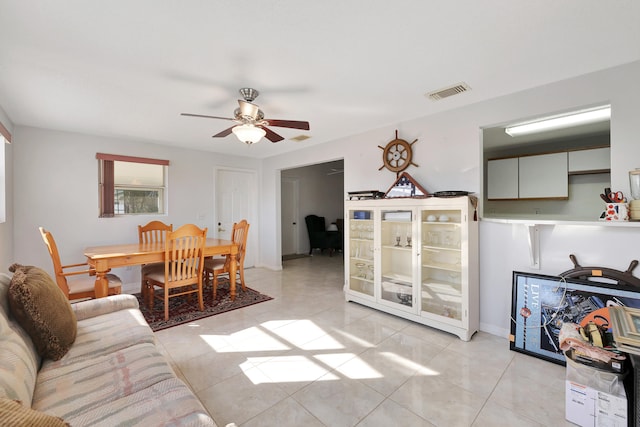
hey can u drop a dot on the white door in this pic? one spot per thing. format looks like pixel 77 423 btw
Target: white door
pixel 235 200
pixel 289 215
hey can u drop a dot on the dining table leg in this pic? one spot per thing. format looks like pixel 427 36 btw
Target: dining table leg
pixel 102 284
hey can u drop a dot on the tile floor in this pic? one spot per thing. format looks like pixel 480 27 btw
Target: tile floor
pixel 308 358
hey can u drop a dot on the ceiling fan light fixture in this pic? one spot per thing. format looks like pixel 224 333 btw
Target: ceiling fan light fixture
pixel 582 117
pixel 252 126
pixel 249 134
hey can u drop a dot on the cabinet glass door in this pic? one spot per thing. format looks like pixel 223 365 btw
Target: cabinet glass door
pixel 441 258
pixel 396 282
pixel 361 249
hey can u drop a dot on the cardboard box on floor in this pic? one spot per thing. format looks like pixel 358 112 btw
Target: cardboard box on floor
pixel 594 398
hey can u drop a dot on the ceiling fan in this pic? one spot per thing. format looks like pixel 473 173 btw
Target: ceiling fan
pixel 252 125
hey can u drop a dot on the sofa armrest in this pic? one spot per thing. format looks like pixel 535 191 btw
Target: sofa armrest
pixel 100 306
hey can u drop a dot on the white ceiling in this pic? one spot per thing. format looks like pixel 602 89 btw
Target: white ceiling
pixel 128 68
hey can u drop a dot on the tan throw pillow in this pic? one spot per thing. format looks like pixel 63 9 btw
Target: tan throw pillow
pixel 13 414
pixel 42 310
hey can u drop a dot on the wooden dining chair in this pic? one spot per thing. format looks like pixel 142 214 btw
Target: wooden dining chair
pixel 153 232
pixel 76 283
pixel 182 270
pixel 216 266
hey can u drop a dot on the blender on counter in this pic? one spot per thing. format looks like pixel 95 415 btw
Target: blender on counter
pixel 634 205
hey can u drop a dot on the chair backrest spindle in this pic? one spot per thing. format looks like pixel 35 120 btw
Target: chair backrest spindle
pixel 184 251
pixel 154 232
pixel 239 236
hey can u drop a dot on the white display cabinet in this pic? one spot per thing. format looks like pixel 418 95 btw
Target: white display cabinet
pixel 415 258
pixel 360 252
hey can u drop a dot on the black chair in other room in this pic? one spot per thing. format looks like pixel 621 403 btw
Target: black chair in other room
pixel 319 237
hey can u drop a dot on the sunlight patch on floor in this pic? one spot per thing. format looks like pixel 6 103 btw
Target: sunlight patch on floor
pixel 216 342
pixel 281 336
pixel 325 342
pixel 261 342
pixel 289 369
pixel 409 364
pixel 250 339
pixel 275 324
pixel 356 340
pixel 358 369
pixel 335 359
pixel 298 332
pixel 255 375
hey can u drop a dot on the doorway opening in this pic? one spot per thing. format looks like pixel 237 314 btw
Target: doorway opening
pixel 316 189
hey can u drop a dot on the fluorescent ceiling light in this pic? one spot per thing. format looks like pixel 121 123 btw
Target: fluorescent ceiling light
pixel 249 134
pixel 582 117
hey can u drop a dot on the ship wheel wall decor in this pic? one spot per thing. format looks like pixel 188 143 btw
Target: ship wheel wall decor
pixel 397 155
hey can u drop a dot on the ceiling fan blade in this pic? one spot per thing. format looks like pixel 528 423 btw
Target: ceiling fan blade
pixel 224 133
pixel 294 124
pixel 206 117
pixel 271 135
pixel 248 109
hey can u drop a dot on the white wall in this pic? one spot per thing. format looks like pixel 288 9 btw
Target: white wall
pixel 449 155
pixel 56 184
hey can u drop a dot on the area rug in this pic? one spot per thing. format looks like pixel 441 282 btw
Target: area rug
pixel 182 311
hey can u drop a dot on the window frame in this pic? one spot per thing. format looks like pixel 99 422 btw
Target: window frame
pixel 5 138
pixel 107 187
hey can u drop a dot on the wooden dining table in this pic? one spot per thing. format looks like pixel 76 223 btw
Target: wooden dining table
pixel 104 258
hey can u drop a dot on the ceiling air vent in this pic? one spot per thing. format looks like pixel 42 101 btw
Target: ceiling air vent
pixel 300 138
pixel 448 91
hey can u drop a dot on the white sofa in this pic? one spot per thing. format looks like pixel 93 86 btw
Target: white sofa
pixel 113 373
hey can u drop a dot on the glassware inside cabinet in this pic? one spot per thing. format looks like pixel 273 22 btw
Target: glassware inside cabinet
pixel 441 258
pixel 361 247
pixel 396 259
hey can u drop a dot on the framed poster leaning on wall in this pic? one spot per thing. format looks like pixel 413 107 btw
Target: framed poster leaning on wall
pixel 541 304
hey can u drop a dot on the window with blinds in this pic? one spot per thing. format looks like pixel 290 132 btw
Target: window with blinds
pixel 131 185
